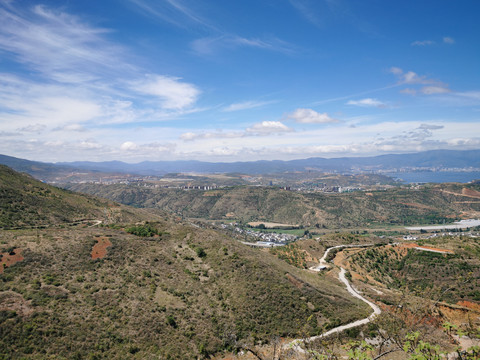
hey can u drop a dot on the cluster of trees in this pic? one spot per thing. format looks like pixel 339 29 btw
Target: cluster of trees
pixel 146 230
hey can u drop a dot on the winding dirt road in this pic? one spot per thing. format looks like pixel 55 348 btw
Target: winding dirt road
pixel 296 344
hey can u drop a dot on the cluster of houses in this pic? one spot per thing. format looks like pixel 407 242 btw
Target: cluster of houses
pixel 432 236
pixel 264 239
pixel 200 187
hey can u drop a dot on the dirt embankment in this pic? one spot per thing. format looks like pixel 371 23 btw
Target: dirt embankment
pixel 471 193
pixel 425 248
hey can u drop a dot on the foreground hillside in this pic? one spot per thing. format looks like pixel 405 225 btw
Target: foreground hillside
pixel 398 206
pixel 26 202
pixel 176 291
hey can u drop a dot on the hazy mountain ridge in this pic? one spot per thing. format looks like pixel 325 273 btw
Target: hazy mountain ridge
pixel 434 158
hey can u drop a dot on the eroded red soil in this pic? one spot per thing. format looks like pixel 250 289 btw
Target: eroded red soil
pixel 99 250
pixel 8 259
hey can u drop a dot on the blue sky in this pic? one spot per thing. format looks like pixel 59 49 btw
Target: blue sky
pixel 137 80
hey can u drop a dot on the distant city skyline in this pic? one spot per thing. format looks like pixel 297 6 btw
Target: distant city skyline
pixel 136 80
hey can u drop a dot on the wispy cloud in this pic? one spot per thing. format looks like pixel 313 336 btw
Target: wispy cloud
pixel 448 40
pixel 79 77
pixel 431 127
pixel 309 116
pixel 304 8
pixel 368 102
pixel 429 90
pixel 174 12
pixel 245 105
pixel 183 14
pixel 422 43
pixel 321 13
pixel 211 44
pixel 264 128
pixel 58 45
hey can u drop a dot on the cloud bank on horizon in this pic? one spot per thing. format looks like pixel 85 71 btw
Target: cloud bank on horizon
pixel 137 80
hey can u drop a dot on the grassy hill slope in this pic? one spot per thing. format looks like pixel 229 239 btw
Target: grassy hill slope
pixel 182 294
pixel 25 201
pixel 398 206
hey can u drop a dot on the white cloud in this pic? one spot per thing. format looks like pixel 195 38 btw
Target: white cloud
pixel 474 95
pixel 80 76
pixel 89 145
pixel 34 128
pixel 269 127
pixel 263 128
pixel 422 43
pixel 246 105
pixel 429 90
pixel 190 136
pixel 71 127
pixel 128 146
pixel 396 70
pixel 448 40
pixel 173 93
pixel 309 116
pixel 368 102
pixel 411 78
pixel 408 91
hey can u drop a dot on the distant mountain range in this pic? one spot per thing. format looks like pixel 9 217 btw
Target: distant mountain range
pixel 430 159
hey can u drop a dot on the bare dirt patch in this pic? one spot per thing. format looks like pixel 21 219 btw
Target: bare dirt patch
pixel 297 283
pixel 458 314
pixel 424 248
pixel 12 301
pixel 469 304
pixel 99 250
pixel 270 225
pixel 471 193
pixel 163 298
pixel 10 258
pixel 418 206
pixel 465 192
pixel 211 193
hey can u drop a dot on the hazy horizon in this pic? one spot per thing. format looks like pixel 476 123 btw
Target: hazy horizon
pixel 144 80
